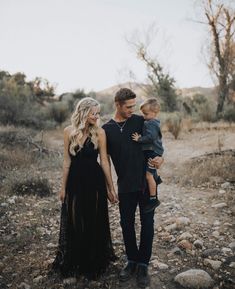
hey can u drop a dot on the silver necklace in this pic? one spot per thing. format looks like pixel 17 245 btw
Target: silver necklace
pixel 120 126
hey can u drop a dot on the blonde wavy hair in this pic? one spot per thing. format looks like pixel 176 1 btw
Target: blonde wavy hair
pixel 78 121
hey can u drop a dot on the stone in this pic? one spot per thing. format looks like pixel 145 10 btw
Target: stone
pixel 211 252
pixel 185 244
pixel 182 221
pixel 222 192
pixel 194 278
pixel 216 234
pixel 225 185
pixel 38 279
pixel 219 205
pixel 232 265
pixel 226 224
pixel 198 244
pixel 185 236
pixel 160 265
pixel 226 250
pixel 212 263
pixel 232 246
pixel 176 251
pixel 171 227
pixel 52 246
pixel 12 200
pixel 24 285
pixel 216 223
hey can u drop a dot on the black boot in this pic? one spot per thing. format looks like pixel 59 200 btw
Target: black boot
pixel 128 271
pixel 151 205
pixel 143 279
pixel 157 179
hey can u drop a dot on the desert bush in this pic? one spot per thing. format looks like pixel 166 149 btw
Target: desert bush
pixel 21 103
pixel 26 143
pixel 31 186
pixel 212 169
pixel 15 136
pixel 229 113
pixel 200 108
pixel 173 123
pixel 59 112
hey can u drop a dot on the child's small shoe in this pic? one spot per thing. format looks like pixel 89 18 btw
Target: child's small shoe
pixel 152 204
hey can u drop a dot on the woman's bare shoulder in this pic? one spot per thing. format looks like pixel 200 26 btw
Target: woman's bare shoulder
pixel 100 132
pixel 67 130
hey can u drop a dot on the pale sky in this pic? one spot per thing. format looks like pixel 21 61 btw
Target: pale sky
pixel 81 43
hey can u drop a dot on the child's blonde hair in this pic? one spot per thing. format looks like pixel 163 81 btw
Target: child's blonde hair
pixel 153 104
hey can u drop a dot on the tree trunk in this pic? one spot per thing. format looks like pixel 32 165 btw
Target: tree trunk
pixel 223 94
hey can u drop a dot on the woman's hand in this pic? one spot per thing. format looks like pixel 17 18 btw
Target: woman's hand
pixel 156 162
pixel 136 136
pixel 112 196
pixel 62 195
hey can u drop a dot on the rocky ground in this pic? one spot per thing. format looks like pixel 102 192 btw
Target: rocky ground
pixel 194 240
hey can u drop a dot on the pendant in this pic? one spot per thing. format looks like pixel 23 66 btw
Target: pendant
pixel 121 129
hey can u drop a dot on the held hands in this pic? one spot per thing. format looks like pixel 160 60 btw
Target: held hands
pixel 62 195
pixel 136 136
pixel 112 196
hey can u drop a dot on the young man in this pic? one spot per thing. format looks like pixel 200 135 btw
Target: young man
pixel 128 160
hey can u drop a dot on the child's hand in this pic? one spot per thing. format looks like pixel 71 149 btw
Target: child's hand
pixel 136 136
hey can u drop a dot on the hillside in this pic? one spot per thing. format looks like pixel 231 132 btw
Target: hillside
pixel 141 90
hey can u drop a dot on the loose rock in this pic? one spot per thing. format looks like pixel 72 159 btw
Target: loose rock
pixel 185 244
pixel 194 278
pixel 211 252
pixel 198 244
pixel 212 263
pixel 185 236
pixel 232 246
pixel 219 205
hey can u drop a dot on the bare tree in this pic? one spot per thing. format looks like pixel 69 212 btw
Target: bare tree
pixel 221 21
pixel 162 84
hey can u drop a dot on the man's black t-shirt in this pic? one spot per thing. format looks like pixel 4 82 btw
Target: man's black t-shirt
pixel 126 154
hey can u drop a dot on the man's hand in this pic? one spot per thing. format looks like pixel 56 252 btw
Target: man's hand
pixel 136 136
pixel 113 198
pixel 62 195
pixel 156 162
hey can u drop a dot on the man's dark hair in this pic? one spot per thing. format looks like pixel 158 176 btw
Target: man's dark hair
pixel 124 94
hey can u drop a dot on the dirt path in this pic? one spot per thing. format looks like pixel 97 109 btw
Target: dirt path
pixel 30 227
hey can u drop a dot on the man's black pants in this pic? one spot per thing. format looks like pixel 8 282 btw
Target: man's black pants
pixel 127 205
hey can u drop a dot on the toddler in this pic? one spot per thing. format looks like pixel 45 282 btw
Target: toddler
pixel 152 146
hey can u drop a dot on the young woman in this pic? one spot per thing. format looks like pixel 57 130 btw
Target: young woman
pixel 85 245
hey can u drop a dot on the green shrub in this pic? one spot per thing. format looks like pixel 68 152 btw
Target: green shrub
pixel 59 112
pixel 229 113
pixel 20 102
pixel 200 108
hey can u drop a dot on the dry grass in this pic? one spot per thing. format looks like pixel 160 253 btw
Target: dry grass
pixel 24 169
pixel 31 186
pixel 209 170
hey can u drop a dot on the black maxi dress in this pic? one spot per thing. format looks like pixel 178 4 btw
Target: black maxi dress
pixel 85 245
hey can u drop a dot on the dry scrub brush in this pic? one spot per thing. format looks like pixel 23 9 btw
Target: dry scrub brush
pixel 209 170
pixel 25 167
